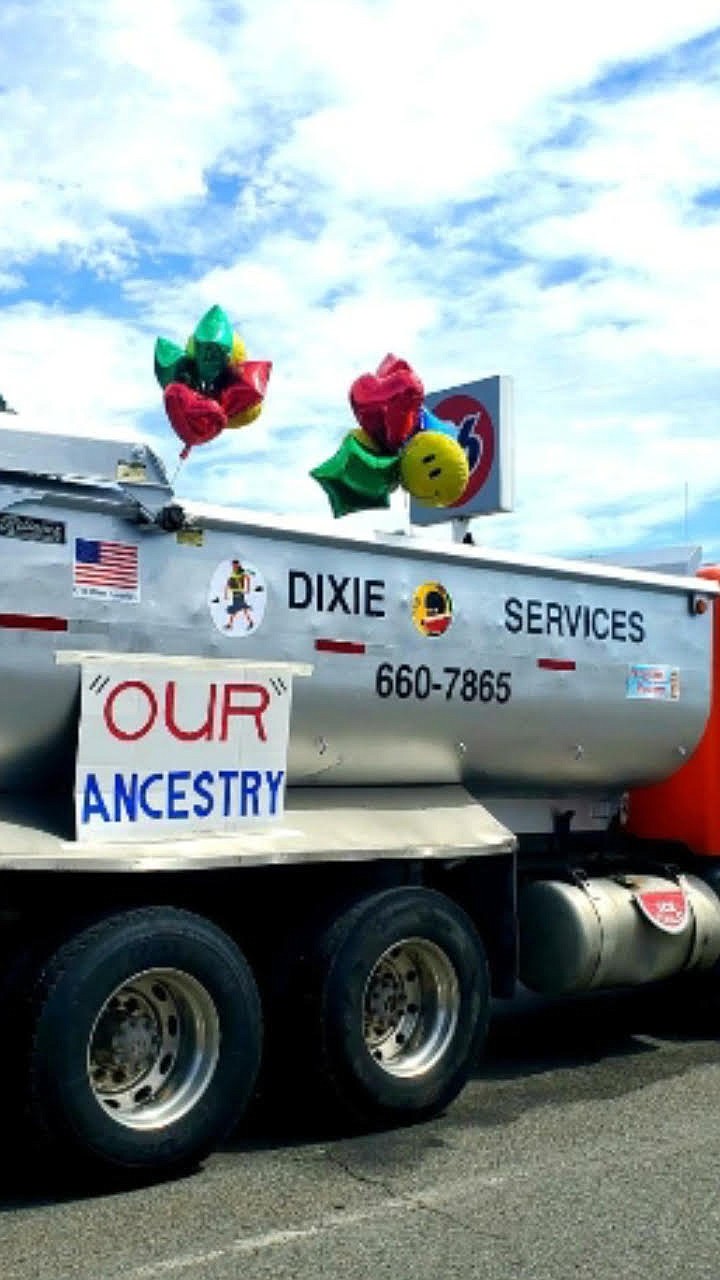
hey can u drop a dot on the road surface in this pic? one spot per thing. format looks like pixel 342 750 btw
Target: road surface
pixel 586 1148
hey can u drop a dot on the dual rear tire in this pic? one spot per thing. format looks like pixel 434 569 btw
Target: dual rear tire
pixel 392 1008
pixel 145 1041
pixel 144 1031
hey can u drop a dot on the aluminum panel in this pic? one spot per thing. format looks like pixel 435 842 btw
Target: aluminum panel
pixel 432 663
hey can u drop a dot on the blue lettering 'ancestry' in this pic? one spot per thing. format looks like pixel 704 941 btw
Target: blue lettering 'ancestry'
pixel 179 795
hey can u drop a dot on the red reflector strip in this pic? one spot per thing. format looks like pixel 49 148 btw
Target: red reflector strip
pixel 556 664
pixel 32 622
pixel 339 646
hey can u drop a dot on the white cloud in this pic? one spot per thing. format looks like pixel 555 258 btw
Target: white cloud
pixel 119 109
pixel 432 109
pixel 108 110
pixel 81 374
pixel 394 193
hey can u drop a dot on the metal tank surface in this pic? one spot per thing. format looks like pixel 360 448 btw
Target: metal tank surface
pixel 433 663
pixel 591 934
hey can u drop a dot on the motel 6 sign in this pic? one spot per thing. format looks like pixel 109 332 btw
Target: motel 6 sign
pixel 483 413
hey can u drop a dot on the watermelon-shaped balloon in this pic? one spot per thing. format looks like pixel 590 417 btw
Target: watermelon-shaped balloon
pixel 246 388
pixel 237 351
pixel 212 345
pixel 172 364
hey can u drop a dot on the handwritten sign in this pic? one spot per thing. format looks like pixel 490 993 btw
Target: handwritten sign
pixel 167 750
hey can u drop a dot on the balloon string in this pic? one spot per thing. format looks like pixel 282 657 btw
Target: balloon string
pixel 175 473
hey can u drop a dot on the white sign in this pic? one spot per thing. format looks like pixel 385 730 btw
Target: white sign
pixel 169 748
pixel 482 411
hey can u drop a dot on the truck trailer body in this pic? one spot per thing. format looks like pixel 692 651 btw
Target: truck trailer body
pixel 495 770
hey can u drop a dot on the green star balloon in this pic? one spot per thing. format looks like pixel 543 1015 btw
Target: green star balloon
pixel 356 479
pixel 172 364
pixel 212 344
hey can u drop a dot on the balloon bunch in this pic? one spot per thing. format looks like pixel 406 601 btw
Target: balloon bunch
pixel 399 442
pixel 209 384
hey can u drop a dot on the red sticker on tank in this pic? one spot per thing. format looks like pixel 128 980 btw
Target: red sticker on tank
pixel 667 909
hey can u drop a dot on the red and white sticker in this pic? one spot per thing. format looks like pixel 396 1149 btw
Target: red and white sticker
pixel 668 909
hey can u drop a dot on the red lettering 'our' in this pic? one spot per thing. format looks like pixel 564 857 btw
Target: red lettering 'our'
pixel 189 735
pixel 109 710
pixel 255 712
pixel 254 708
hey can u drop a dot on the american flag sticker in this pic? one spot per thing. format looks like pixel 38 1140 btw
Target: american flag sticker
pixel 106 570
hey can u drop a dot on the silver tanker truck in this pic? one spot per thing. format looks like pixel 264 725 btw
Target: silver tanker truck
pixel 304 801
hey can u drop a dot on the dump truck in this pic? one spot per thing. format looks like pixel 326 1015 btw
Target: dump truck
pixel 297 805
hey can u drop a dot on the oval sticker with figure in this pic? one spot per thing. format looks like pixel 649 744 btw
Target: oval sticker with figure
pixel 432 609
pixel 236 598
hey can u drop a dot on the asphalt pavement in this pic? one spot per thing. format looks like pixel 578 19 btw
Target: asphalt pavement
pixel 586 1147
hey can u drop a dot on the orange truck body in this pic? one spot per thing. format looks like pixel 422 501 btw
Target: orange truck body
pixel 686 806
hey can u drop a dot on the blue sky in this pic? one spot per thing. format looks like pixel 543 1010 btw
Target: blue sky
pixel 480 188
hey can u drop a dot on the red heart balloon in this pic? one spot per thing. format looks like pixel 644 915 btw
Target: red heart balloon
pixel 247 388
pixel 195 418
pixel 392 364
pixel 387 403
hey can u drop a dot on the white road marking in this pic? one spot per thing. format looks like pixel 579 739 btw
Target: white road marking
pixel 431 1197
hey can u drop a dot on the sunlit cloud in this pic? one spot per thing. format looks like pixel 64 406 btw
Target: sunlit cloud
pixel 348 177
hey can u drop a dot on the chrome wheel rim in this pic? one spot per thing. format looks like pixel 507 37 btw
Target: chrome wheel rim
pixel 153 1048
pixel 411 1006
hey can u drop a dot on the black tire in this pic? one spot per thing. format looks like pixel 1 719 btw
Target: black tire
pixel 398 943
pixel 123 1089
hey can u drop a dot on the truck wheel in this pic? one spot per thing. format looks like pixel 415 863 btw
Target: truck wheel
pixel 146 1040
pixel 401 1005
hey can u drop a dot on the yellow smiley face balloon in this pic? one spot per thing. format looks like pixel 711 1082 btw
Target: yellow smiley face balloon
pixel 434 468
